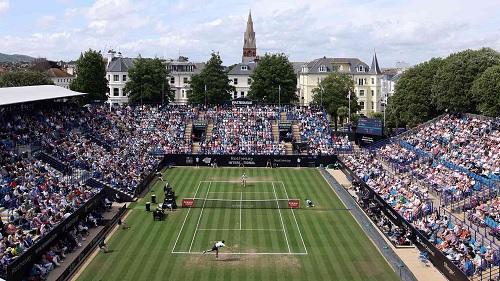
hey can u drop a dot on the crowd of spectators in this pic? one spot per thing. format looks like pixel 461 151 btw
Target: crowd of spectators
pixel 486 214
pixel 315 131
pixel 243 130
pixel 466 141
pixel 456 242
pixel 408 197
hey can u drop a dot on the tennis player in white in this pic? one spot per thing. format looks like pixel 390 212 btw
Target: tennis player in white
pixel 216 248
pixel 244 180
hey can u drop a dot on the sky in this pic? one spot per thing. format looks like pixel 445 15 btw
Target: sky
pixel 411 31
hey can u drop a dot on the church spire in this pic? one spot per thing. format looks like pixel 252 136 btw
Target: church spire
pixel 249 44
pixel 375 69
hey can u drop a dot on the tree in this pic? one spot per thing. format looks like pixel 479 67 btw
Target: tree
pixel 274 80
pixel 148 81
pixel 342 113
pixel 24 78
pixel 412 100
pixel 452 84
pixel 376 115
pixel 333 93
pixel 486 90
pixel 90 76
pixel 214 80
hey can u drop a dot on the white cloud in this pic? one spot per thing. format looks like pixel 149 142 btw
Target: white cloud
pixel 412 30
pixel 45 21
pixel 4 6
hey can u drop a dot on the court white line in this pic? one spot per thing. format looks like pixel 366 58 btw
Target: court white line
pixel 236 229
pixel 293 213
pixel 281 217
pixel 199 218
pixel 238 181
pixel 199 253
pixel 241 206
pixel 241 192
pixel 184 222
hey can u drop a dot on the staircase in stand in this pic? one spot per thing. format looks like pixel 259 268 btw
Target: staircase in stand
pixel 283 116
pixel 189 131
pixel 196 147
pixel 276 131
pixel 288 148
pixel 210 128
pixel 296 132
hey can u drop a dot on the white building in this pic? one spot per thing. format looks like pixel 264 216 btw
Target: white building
pixel 180 73
pixel 367 80
pixel 117 75
pixel 60 77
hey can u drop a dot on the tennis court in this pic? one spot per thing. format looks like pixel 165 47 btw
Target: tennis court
pixel 253 220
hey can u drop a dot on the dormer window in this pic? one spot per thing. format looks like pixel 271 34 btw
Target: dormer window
pixel 322 68
pixel 304 69
pixel 360 68
pixel 244 67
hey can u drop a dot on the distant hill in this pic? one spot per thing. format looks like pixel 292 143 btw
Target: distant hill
pixel 15 58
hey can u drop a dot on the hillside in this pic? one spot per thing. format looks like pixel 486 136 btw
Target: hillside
pixel 14 58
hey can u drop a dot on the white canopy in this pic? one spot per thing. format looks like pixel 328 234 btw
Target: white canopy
pixel 15 95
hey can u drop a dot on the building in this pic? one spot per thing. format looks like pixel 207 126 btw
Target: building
pixel 180 73
pixel 60 77
pixel 367 80
pixel 117 75
pixel 239 75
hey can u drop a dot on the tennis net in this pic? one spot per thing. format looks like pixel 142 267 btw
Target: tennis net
pixel 241 204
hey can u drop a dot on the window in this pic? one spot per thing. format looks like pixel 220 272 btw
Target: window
pixel 116 92
pixel 124 94
pixel 360 68
pixel 116 78
pixel 109 77
pixel 373 105
pixel 360 82
pixel 341 68
pixel 304 69
pixel 249 81
pixel 361 93
pixel 242 94
pixel 124 78
pixel 362 105
pixel 322 68
pixel 235 81
pixel 185 80
pixel 244 67
pixel 172 80
pixel 373 93
pixel 235 95
pixel 183 95
pixel 373 81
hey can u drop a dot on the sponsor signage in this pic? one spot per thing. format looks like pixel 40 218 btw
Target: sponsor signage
pixel 248 160
pixel 187 203
pixel 293 204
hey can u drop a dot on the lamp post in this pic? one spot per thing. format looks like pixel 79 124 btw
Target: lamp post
pixel 205 95
pixel 349 116
pixel 279 97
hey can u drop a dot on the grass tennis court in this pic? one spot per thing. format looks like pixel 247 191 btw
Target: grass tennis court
pixel 321 243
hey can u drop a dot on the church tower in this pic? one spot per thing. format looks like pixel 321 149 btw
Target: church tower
pixel 249 45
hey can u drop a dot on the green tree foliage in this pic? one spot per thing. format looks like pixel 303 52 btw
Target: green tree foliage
pixel 333 92
pixel 486 90
pixel 452 86
pixel 412 100
pixel 90 76
pixel 24 78
pixel 342 113
pixel 274 77
pixel 148 81
pixel 214 79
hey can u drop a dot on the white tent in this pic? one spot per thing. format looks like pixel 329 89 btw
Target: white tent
pixel 15 95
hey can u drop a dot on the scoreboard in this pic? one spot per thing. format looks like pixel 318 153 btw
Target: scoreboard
pixel 370 126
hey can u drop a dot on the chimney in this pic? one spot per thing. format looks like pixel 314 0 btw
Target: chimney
pixel 110 56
